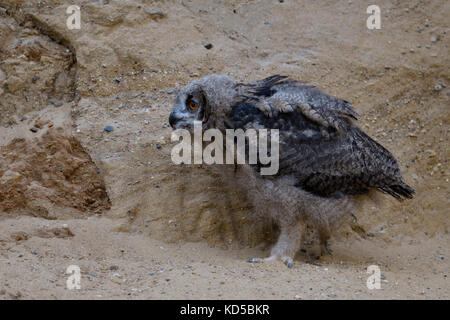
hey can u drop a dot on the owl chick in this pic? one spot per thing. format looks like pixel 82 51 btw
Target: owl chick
pixel 326 162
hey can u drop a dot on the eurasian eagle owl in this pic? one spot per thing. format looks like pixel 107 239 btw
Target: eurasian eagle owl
pixel 325 159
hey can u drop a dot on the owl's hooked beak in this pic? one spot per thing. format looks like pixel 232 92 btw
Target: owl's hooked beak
pixel 174 118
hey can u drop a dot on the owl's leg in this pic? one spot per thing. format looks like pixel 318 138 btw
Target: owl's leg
pixel 289 242
pixel 324 236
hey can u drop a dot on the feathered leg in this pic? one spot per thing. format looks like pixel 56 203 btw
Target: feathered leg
pixel 287 246
pixel 324 236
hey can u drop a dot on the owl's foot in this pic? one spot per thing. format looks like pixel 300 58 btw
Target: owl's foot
pixel 325 249
pixel 286 260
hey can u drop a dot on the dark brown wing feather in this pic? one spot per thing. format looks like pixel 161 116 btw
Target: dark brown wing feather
pixel 324 161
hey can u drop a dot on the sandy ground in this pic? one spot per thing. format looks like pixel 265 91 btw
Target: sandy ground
pixel 140 227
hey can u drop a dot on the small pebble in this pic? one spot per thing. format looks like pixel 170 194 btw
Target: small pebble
pixel 109 129
pixel 156 14
pixel 117 80
pixel 113 267
pixel 158 146
pixel 209 46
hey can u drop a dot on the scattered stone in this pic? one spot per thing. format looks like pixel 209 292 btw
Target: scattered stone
pixel 434 38
pixel 156 14
pixel 34 129
pixel 441 257
pixel 431 153
pixel 118 79
pixel 438 87
pixel 113 267
pixel 109 129
pixel 92 274
pixel 170 91
pixel 209 46
pixel 158 146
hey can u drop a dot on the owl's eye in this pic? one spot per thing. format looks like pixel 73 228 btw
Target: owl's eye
pixel 192 105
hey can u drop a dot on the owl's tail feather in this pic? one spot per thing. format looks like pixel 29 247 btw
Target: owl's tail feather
pixel 399 191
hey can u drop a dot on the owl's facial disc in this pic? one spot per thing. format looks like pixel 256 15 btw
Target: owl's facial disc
pixel 189 107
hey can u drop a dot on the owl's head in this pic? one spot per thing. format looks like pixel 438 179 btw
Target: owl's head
pixel 202 100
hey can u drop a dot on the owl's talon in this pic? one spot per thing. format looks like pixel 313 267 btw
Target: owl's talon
pixel 288 262
pixel 255 260
pixel 326 249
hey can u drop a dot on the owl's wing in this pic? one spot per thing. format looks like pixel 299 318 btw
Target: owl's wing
pixel 351 164
pixel 276 94
pixel 320 146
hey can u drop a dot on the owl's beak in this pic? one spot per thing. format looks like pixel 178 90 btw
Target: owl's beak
pixel 173 119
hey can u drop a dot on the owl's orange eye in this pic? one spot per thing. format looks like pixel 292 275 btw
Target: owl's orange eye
pixel 192 105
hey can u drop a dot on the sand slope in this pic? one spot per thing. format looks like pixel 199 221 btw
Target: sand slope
pixel 72 193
